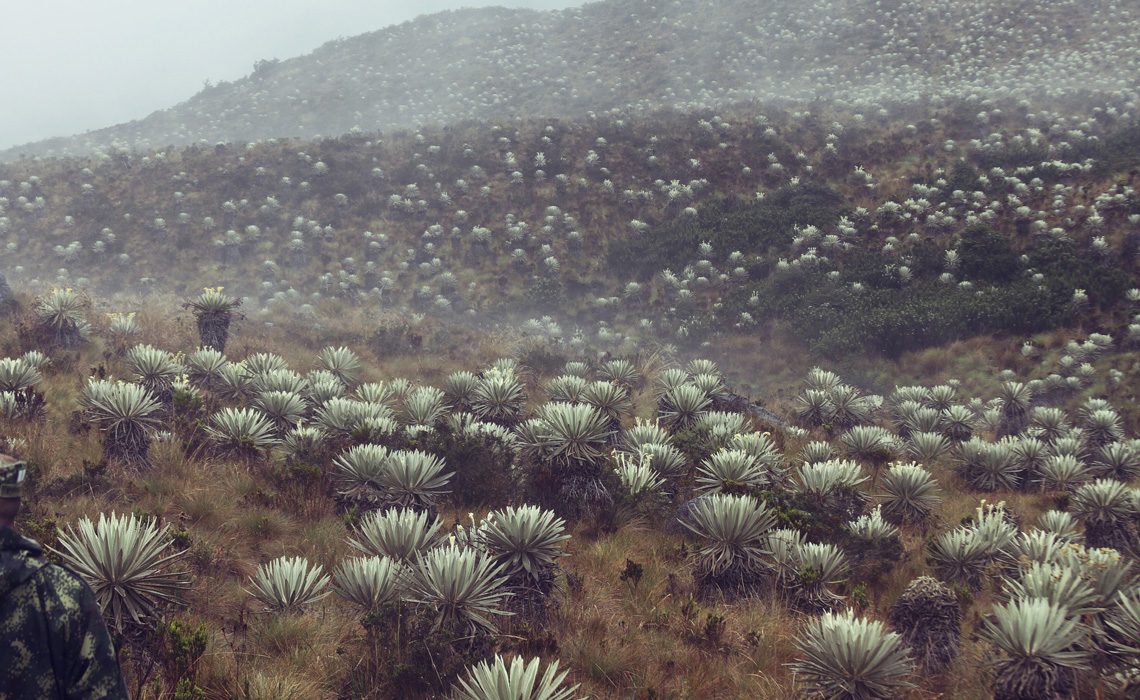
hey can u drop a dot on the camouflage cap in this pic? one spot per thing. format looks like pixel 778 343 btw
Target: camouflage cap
pixel 11 476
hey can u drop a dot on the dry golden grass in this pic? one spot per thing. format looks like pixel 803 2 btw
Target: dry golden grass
pixel 618 638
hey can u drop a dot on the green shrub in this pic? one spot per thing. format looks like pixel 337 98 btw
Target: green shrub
pixel 483 476
pixel 986 256
pixel 728 224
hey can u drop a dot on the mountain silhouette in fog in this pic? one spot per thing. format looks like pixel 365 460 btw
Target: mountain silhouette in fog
pixel 618 55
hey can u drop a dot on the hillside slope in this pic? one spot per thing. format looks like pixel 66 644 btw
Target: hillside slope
pixel 638 54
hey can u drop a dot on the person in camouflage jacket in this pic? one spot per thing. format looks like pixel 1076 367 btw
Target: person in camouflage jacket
pixel 53 642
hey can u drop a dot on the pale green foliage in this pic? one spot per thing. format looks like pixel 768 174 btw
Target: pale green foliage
pixel 869 442
pixel 288 584
pixel 342 417
pixel 459 389
pixel 1030 453
pixel 643 433
pixel 914 395
pixel 911 493
pixel 60 311
pixel 666 460
pixel 1124 642
pixel 413 479
pixel 499 398
pixel 816 451
pixel 940 397
pixel 710 383
pixel 988 466
pixel 234 381
pixel 921 419
pixel 669 380
pixel 573 432
pixel 1102 426
pixel 567 387
pixel 1103 502
pixel 721 427
pixel 285 409
pixel 637 475
pixel 264 362
pixel 363 465
pixel 1016 399
pixel 400 387
pixel 125 560
pixel 423 406
pixel 994 528
pixel 813 407
pixel 1040 645
pixel 458 585
pixel 400 534
pixel 764 451
pixel 1118 460
pixel 1110 574
pixel 121 328
pixel 958 422
pixel 783 546
pixel 495 680
pixel 1071 444
pixel 731 532
pixel 701 365
pixel 1062 586
pixel 241 431
pixel 611 400
pixel 621 372
pixel 374 393
pixel 960 556
pixel 124 412
pixel 732 471
pixel 10 408
pixel 927 446
pixel 303 443
pixel 205 365
pixel 153 368
pixel 319 391
pixel 36 359
pixel 525 539
pixel 18 375
pixel 821 379
pixel 871 527
pixel 1036 546
pixel 846 407
pixel 825 478
pixel 818 567
pixel 369 582
pixel 1060 523
pixel 1049 423
pixel 114 406
pixel 342 362
pixel 280 379
pixel 848 657
pixel 681 407
pixel 1062 473
pixel 213 300
pixel 578 368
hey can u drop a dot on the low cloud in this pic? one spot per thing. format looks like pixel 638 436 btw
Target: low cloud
pixel 77 65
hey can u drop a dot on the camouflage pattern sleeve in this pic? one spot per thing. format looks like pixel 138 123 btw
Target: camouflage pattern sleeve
pixel 81 646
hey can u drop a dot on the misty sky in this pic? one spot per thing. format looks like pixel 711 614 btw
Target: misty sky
pixel 75 65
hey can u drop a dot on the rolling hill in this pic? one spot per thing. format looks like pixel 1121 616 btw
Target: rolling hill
pixel 639 55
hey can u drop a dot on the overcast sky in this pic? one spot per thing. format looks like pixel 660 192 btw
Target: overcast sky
pixel 74 65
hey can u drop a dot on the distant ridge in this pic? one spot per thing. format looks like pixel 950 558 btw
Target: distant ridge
pixel 495 63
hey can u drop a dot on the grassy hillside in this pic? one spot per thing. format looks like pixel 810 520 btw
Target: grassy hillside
pixel 640 55
pixel 632 609
pixel 683 347
pixel 853 234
